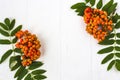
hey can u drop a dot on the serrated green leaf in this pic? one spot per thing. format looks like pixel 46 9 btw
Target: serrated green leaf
pixel 117 25
pixel 117 54
pixel 118 35
pixel 107 58
pixel 28 77
pixel 4 26
pixel 17 50
pixel 6 55
pixel 7 21
pixel 12 24
pixel 39 71
pixel 117 48
pixel 106 50
pixel 14 40
pixel 117 65
pixel 21 76
pixel 19 71
pixel 35 65
pixel 4 41
pixel 4 33
pixel 15 62
pixel 112 8
pixel 40 77
pixel 99 4
pixel 106 42
pixel 118 41
pixel 78 5
pixel 92 2
pixel 87 1
pixel 16 30
pixel 111 65
pixel 108 5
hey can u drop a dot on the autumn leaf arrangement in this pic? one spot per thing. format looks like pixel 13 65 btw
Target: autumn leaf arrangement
pixel 24 52
pixel 103 23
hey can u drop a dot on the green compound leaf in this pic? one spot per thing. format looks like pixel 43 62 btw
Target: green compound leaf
pixel 80 7
pixel 111 65
pixel 117 54
pixel 7 21
pixel 106 42
pixel 106 50
pixel 19 71
pixel 23 73
pixel 4 41
pixel 28 77
pixel 112 8
pixel 12 24
pixel 16 30
pixel 35 65
pixel 6 55
pixel 17 50
pixel 108 5
pixel 117 26
pixel 115 18
pixel 87 1
pixel 39 71
pixel 118 41
pixel 40 77
pixel 4 33
pixel 4 26
pixel 92 2
pixel 99 4
pixel 107 58
pixel 117 65
pixel 117 48
pixel 14 40
pixel 15 62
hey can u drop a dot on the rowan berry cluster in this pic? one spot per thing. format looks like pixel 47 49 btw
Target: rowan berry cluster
pixel 98 23
pixel 29 45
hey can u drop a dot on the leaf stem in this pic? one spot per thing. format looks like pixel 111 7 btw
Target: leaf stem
pixel 115 45
pixel 11 43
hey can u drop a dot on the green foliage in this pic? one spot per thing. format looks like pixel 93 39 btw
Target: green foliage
pixel 4 33
pixel 87 1
pixel 2 25
pixel 18 50
pixel 99 4
pixel 7 21
pixel 15 62
pixel 117 25
pixel 12 24
pixel 79 8
pixel 35 65
pixel 4 41
pixel 111 65
pixel 6 55
pixel 16 30
pixel 92 2
pixel 106 50
pixel 117 65
pixel 106 42
pixel 19 71
pixel 112 9
pixel 14 40
pixel 115 18
pixel 108 5
pixel 107 58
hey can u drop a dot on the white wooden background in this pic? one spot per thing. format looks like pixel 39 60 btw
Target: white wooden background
pixel 69 53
